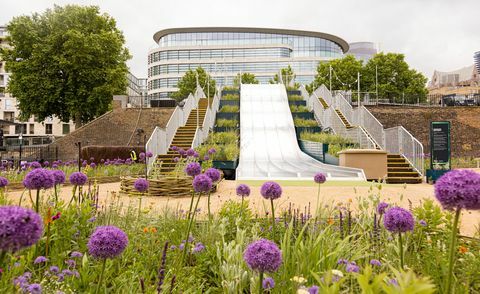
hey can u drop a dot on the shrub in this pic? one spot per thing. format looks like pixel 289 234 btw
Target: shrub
pixel 231 97
pixel 98 152
pixel 325 138
pixel 229 108
pixel 295 97
pixel 226 122
pixel 222 138
pixel 236 216
pixel 299 108
pixel 300 122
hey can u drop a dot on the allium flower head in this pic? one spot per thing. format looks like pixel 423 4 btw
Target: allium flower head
pixel 190 152
pixel 243 190
pixel 313 290
pixel 319 178
pixel 40 259
pixel 211 151
pixel 459 189
pixel 19 228
pixel 213 174
pixel 78 178
pixel 271 190
pixel 174 148
pixel 59 176
pixel 39 178
pixel 352 268
pixel 268 283
pixel 141 185
pixel 107 242
pixel 398 220
pixel 34 289
pixel 206 158
pixel 193 168
pixel 54 269
pixel 35 165
pixel 202 184
pixel 3 182
pixel 199 247
pixel 382 207
pixel 149 154
pixel 141 156
pixel 422 222
pixel 263 256
pixel 375 262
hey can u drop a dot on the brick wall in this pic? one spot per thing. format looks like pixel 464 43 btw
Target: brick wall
pixel 115 128
pixel 465 125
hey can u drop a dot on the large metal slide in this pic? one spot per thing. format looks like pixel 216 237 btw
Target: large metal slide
pixel 268 143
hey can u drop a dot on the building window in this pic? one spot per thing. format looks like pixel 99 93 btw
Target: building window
pixel 8 115
pixel 48 129
pixel 66 129
pixel 21 129
pixel 32 129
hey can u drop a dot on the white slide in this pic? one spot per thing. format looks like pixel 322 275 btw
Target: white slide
pixel 268 142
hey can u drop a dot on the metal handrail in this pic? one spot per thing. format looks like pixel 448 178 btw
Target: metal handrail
pixel 400 141
pixel 209 120
pixel 371 124
pixel 342 104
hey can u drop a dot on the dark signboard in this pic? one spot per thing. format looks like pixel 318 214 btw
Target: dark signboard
pixel 440 145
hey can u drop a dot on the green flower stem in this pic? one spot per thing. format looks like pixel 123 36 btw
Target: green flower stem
pixel 400 246
pixel 273 219
pixel 191 205
pixel 318 202
pixel 101 276
pixel 453 245
pixel 260 286
pixel 241 210
pixel 3 254
pixel 37 201
pixel 190 223
pixel 209 214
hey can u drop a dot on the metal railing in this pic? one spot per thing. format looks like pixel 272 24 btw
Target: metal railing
pixel 342 104
pixel 366 119
pixel 202 132
pixel 161 138
pixel 324 93
pixel 399 141
pixel 322 115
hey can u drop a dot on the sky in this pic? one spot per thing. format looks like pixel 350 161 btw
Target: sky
pixel 433 34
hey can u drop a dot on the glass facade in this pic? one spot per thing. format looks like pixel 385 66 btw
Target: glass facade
pixel 225 54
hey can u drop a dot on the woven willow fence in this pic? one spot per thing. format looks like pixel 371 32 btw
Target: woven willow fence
pixel 163 187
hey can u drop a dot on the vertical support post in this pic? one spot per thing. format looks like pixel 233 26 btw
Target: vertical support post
pixel 330 68
pixel 79 146
pixel 358 85
pixel 376 82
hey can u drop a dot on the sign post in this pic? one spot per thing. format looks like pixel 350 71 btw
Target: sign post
pixel 440 149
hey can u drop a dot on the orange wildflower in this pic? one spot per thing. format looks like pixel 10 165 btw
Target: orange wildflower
pixel 330 221
pixel 153 230
pixel 463 249
pixel 145 230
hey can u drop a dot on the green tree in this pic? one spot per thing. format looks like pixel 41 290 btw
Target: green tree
pixel 247 78
pixel 288 78
pixel 344 74
pixel 396 80
pixel 188 84
pixel 68 61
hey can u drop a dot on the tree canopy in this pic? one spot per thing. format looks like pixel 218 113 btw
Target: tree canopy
pixel 396 80
pixel 288 78
pixel 247 78
pixel 68 61
pixel 188 84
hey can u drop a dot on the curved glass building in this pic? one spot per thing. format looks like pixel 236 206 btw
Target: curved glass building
pixel 476 58
pixel 224 52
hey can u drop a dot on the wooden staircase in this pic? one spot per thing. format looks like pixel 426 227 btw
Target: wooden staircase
pixel 344 120
pixel 323 102
pixel 183 139
pixel 400 171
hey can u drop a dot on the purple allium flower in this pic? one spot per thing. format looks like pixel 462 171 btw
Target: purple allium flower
pixel 176 159
pixel 34 289
pixel 199 247
pixel 67 272
pixel 61 277
pixel 92 219
pixel 459 189
pixel 102 160
pixel 107 242
pixel 342 261
pixel 211 151
pixel 202 184
pixel 93 165
pixel 181 152
pixel 382 207
pixel 190 152
pixel 40 259
pixel 173 247
pixel 352 268
pixel 375 262
pixel 141 185
pixel 19 228
pixel 398 220
pixel 206 158
pixel 174 148
pixel 193 168
pixel 268 283
pixel 393 282
pixel 149 154
pixel 46 163
pixel 141 156
pixel 3 182
pixel 54 269
pixel 213 174
pixel 243 190
pixel 313 290
pixel 76 254
pixel 70 263
pixel 59 176
pixel 84 163
pixel 39 178
pixel 263 256
pixel 422 222
pixel 35 165
pixel 78 178
pixel 319 178
pixel 271 190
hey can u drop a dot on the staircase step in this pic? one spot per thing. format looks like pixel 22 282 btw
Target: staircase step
pixel 395 160
pixel 400 169
pixel 394 156
pixel 404 180
pixel 398 164
pixel 413 174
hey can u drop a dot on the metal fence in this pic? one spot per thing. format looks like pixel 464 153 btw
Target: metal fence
pixel 29 153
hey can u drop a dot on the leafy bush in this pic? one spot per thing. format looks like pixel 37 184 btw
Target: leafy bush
pixel 299 108
pixel 236 216
pixel 226 122
pixel 295 97
pixel 231 97
pixel 300 122
pixel 229 108
pixel 325 138
pixel 222 137
pixel 231 88
pixel 224 152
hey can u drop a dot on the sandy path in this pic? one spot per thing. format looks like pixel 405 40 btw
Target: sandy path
pixel 299 196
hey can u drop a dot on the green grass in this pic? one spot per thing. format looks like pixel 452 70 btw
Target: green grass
pixel 308 183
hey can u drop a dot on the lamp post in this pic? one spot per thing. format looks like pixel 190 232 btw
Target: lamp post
pixel 20 140
pixel 79 146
